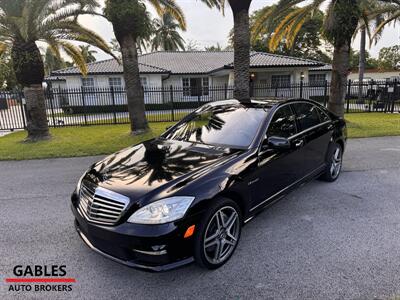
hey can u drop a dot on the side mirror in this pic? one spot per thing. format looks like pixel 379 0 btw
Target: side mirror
pixel 278 143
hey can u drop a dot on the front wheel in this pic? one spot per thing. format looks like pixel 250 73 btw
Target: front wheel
pixel 218 234
pixel 334 163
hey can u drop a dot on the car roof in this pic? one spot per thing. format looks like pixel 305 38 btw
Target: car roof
pixel 265 103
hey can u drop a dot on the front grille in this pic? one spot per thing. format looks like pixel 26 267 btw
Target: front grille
pixel 99 205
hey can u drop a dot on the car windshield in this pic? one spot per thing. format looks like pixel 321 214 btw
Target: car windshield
pixel 230 126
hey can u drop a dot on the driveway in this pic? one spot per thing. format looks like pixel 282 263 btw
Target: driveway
pixel 327 241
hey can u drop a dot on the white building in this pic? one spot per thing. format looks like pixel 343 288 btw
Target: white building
pixel 377 75
pixel 194 73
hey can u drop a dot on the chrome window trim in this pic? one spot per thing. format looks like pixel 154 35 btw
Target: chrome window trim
pixel 299 133
pixel 309 129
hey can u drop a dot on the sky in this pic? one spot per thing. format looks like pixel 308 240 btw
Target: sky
pixel 208 26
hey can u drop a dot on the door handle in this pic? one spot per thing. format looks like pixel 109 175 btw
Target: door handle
pixel 299 143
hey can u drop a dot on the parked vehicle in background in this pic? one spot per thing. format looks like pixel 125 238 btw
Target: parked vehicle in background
pixel 185 195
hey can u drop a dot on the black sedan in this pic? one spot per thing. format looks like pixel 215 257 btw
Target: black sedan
pixel 185 195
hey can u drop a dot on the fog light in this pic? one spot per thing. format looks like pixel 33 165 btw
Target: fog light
pixel 156 250
pixel 189 232
pixel 158 247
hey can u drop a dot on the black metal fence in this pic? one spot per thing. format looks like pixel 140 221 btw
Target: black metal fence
pixel 101 106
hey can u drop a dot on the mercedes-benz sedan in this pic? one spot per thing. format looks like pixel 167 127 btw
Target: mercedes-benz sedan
pixel 185 195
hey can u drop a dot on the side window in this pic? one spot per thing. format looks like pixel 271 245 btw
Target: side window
pixel 323 116
pixel 283 123
pixel 307 115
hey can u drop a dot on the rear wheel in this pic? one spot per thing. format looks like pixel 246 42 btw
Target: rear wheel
pixel 334 163
pixel 218 234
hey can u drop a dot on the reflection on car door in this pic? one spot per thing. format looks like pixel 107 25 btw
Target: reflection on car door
pixel 315 128
pixel 276 169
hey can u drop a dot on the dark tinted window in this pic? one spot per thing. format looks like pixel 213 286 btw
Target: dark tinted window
pixel 307 115
pixel 234 126
pixel 283 123
pixel 323 115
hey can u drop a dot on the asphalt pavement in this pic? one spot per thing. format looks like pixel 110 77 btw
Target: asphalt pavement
pixel 326 241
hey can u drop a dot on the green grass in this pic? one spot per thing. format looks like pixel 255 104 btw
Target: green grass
pixel 154 117
pixel 372 124
pixel 98 140
pixel 75 141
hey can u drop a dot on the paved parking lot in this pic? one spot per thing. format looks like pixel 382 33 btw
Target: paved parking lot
pixel 328 241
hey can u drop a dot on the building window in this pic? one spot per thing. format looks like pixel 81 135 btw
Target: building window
pixel 316 79
pixel 280 80
pixel 196 86
pixel 143 81
pixel 206 85
pixel 186 86
pixel 88 82
pixel 115 82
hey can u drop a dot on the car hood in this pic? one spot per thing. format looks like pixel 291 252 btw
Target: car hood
pixel 156 166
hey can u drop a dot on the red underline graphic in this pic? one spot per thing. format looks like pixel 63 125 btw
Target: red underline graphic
pixel 40 280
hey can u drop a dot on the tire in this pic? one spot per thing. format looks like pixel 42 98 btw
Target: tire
pixel 226 235
pixel 334 163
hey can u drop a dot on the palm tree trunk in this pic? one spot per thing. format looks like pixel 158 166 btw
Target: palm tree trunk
pixel 361 68
pixel 241 42
pixel 340 26
pixel 29 70
pixel 340 69
pixel 134 89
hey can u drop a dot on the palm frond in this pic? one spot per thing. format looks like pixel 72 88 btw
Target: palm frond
pixel 392 18
pixel 260 25
pixel 293 30
pixel 3 48
pixel 71 30
pixel 281 29
pixel 76 55
pixel 171 7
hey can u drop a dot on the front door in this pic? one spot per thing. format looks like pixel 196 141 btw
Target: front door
pixel 276 169
pixel 195 85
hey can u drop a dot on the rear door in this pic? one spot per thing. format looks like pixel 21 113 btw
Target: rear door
pixel 315 131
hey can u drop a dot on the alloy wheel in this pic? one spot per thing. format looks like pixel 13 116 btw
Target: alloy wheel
pixel 336 163
pixel 221 235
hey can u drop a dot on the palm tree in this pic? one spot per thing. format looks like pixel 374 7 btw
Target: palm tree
pixel 52 62
pixel 166 36
pixel 23 23
pixel 309 42
pixel 369 20
pixel 142 45
pixel 390 10
pixel 132 22
pixel 340 24
pixel 241 47
pixel 87 53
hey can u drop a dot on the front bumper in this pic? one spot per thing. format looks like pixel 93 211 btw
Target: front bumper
pixel 148 247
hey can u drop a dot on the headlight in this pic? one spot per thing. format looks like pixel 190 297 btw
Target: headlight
pixel 162 211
